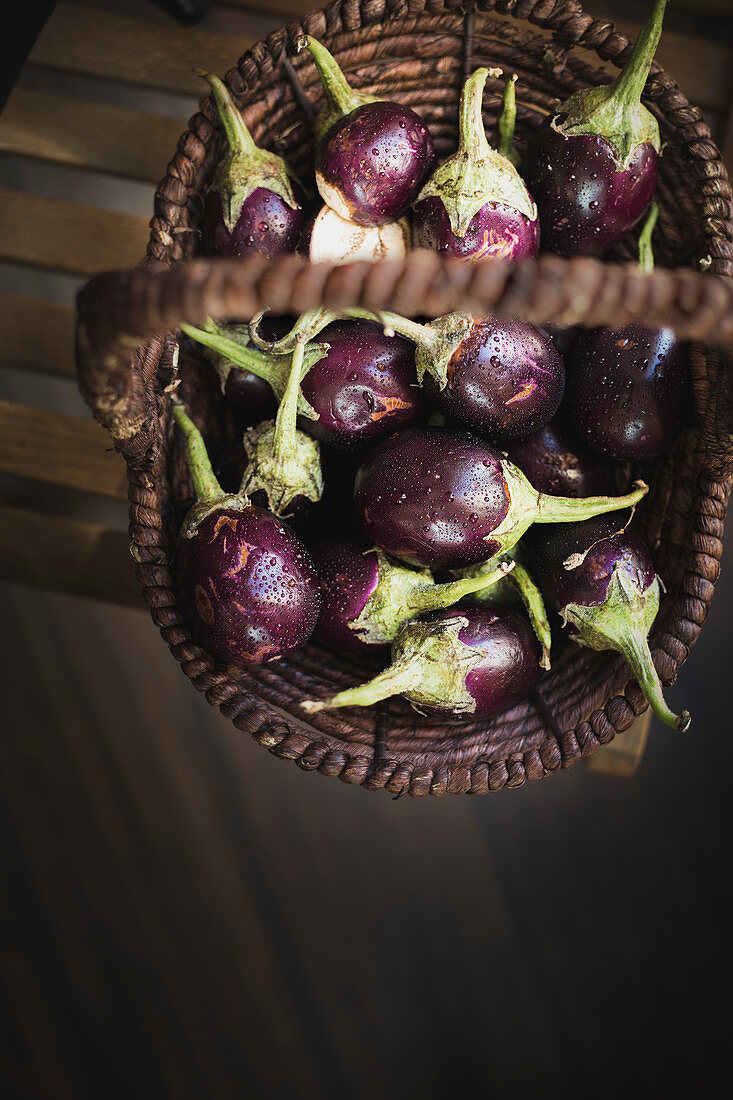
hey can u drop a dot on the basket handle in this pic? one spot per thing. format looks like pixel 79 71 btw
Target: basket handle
pixel 120 311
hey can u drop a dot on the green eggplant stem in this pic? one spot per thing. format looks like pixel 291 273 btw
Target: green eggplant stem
pixel 207 488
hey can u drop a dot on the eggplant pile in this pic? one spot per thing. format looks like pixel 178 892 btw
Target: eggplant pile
pixel 420 490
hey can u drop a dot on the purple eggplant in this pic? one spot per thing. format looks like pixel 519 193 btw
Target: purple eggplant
pixel 477 661
pixel 476 205
pixel 364 385
pixel 443 500
pixel 255 204
pixel 505 379
pixel 372 156
pixel 557 464
pixel 592 167
pixel 247 584
pixel 628 388
pixel 600 576
pixel 366 596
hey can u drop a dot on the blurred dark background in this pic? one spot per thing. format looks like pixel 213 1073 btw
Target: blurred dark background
pixel 184 915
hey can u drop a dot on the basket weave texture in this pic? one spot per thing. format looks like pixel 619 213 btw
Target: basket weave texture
pixel 418 53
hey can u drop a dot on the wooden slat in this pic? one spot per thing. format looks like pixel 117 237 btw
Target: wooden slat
pixel 65 237
pixel 37 335
pixel 116 47
pixel 59 450
pixel 63 555
pixel 89 135
pixel 624 754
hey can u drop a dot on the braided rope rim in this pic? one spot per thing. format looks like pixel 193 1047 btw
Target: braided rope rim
pixel 360 763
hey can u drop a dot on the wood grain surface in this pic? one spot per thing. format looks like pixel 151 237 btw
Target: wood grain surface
pixel 87 40
pixel 73 453
pixel 75 132
pixel 36 334
pixel 63 236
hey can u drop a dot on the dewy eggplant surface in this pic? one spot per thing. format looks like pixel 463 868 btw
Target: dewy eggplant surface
pixel 476 661
pixel 592 166
pixel 255 205
pixel 600 576
pixel 505 379
pixel 476 205
pixel 372 156
pixel 442 499
pixel 557 463
pixel 246 582
pixel 629 387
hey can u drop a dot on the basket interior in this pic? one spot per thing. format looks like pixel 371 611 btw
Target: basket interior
pixel 421 61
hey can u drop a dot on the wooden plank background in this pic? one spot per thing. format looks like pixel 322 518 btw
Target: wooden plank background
pixel 184 915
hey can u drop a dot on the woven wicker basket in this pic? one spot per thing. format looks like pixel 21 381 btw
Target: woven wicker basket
pixel 419 53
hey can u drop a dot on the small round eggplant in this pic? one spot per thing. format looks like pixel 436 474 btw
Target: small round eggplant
pixel 476 205
pixel 558 465
pixel 372 156
pixel 442 499
pixel 592 167
pixel 628 388
pixel 255 204
pixel 246 582
pixel 364 387
pixel 505 378
pixel 600 576
pixel 329 238
pixel 366 596
pixel 478 661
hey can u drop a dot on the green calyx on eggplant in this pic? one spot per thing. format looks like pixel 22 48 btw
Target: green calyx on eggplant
pixel 367 595
pixel 477 661
pixel 615 111
pixel 258 204
pixel 283 463
pixel 600 577
pixel 476 204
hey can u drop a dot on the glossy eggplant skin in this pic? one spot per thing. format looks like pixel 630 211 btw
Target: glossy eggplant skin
pixel 364 388
pixel 505 379
pixel 557 464
pixel 431 497
pixel 248 586
pixel 348 573
pixel 371 164
pixel 497 231
pixel 627 390
pixel 267 225
pixel 586 204
pixel 509 669
pixel 608 547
